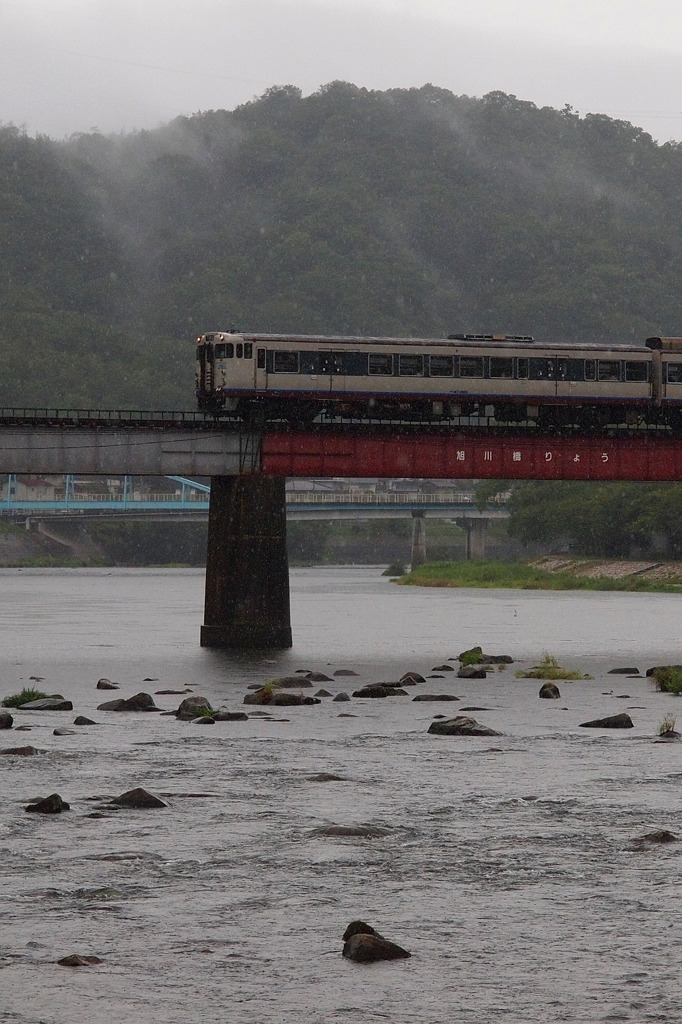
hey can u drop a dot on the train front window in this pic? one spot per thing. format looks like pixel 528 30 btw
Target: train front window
pixel 284 362
pixel 674 373
pixel 441 366
pixel 636 371
pixel 380 363
pixel 471 366
pixel 411 366
pixel 501 367
pixel 609 370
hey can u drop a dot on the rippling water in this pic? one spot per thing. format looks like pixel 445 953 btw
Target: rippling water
pixel 508 866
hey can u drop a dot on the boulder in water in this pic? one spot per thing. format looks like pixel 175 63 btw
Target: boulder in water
pixel 461 725
pixel 622 721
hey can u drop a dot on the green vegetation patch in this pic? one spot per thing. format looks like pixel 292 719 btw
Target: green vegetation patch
pixel 668 679
pixel 521 576
pixel 549 668
pixel 26 695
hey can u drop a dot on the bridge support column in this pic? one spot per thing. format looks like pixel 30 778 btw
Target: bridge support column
pixel 418 556
pixel 475 539
pixel 247 570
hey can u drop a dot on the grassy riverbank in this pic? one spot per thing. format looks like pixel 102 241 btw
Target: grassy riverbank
pixel 552 573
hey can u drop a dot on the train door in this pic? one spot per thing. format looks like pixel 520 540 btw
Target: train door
pixel 260 370
pixel 333 367
pixel 205 370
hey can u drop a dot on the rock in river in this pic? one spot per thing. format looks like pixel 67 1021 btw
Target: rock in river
pixel 138 702
pixel 52 804
pixel 622 721
pixel 48 704
pixel 6 719
pixel 461 725
pixel 380 690
pixel 139 799
pixel 364 945
pixel 549 691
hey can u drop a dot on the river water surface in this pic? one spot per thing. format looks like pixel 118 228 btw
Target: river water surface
pixel 510 866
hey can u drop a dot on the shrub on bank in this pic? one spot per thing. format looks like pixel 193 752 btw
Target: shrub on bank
pixel 668 679
pixel 26 695
pixel 549 668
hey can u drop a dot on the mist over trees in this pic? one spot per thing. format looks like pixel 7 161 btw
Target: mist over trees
pixel 405 212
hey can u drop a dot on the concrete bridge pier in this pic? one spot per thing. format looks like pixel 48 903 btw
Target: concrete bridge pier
pixel 418 556
pixel 475 537
pixel 247 570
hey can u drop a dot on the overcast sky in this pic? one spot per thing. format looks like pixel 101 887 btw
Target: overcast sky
pixel 117 65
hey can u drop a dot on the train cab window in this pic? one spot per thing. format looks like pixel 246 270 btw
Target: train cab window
pixel 542 369
pixel 471 366
pixel 500 367
pixel 240 350
pixel 411 366
pixel 261 359
pixel 248 350
pixel 609 370
pixel 636 371
pixel 590 369
pixel 285 362
pixel 441 366
pixel 224 351
pixel 380 363
pixel 522 368
pixel 674 373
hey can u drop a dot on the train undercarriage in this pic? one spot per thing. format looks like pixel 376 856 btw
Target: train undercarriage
pixel 301 413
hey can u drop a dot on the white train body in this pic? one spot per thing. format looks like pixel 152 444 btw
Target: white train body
pixel 514 379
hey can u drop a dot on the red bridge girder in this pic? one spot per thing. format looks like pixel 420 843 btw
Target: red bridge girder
pixel 468 456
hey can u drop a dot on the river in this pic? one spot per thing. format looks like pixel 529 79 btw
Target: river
pixel 510 867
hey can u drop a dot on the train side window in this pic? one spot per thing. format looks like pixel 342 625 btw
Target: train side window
pixel 411 366
pixel 380 363
pixel 522 368
pixel 590 369
pixel 609 370
pixel 471 366
pixel 501 367
pixel 240 350
pixel 542 369
pixel 356 364
pixel 636 370
pixel 674 373
pixel 441 366
pixel 248 350
pixel 261 358
pixel 285 362
pixel 311 362
pixel 571 369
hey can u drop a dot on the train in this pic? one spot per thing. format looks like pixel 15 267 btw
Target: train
pixel 502 379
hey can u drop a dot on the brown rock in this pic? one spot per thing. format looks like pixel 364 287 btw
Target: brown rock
pixel 461 725
pixel 549 691
pixel 52 804
pixel 27 751
pixel 106 684
pixel 76 960
pixel 364 948
pixel 622 721
pixel 139 799
pixel 380 690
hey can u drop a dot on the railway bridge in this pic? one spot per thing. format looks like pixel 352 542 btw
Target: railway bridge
pixel 247 580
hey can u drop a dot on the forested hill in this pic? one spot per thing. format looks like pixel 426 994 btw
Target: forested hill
pixel 400 212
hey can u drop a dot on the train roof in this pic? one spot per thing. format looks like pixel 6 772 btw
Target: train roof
pixel 503 341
